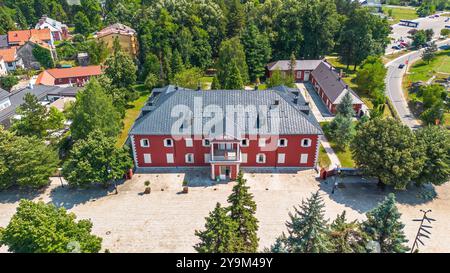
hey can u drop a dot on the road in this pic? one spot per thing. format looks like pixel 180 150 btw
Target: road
pixel 394 85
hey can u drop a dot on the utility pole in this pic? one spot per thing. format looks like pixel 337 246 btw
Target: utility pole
pixel 422 228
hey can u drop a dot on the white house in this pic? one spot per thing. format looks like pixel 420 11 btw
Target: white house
pixel 59 30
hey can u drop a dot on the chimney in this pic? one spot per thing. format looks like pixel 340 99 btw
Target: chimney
pixel 276 102
pixel 295 100
pixel 346 86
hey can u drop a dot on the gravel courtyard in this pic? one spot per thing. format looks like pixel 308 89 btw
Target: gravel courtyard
pixel 165 220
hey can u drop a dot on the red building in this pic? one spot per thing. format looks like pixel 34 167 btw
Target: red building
pixel 272 129
pixel 331 88
pixel 76 76
pixel 302 70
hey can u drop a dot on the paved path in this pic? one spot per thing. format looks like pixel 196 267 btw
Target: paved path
pixel 322 114
pixel 394 85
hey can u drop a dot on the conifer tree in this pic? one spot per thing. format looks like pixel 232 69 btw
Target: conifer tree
pixel 307 228
pixel 242 211
pixel 215 83
pixel 347 237
pixel 345 108
pixel 219 235
pixel 234 79
pixel 383 225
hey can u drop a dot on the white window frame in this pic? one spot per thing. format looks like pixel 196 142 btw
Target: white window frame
pixel 204 143
pixel 262 142
pixel 309 142
pixel 283 157
pixel 246 140
pixel 142 143
pixel 165 142
pixel 172 159
pixel 304 158
pixel 189 142
pixel 186 158
pixel 257 158
pixel 285 142
pixel 207 158
pixel 244 158
pixel 147 158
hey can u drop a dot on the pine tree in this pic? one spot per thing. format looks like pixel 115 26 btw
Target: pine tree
pixel 243 209
pixel 383 225
pixel 234 79
pixel 341 129
pixel 345 108
pixel 308 230
pixel 219 235
pixel 347 237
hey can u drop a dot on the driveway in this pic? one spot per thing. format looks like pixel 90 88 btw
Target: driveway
pixel 394 85
pixel 165 220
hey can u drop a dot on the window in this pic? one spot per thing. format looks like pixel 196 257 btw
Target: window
pixel 262 142
pixel 169 158
pixel 145 143
pixel 189 142
pixel 281 158
pixel 306 142
pixel 147 158
pixel 282 142
pixel 207 158
pixel 168 142
pixel 303 158
pixel 260 158
pixel 245 142
pixel 189 158
pixel 244 158
pixel 206 143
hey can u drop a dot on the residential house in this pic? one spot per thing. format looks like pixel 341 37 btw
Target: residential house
pixel 9 102
pixel 126 36
pixel 73 76
pixel 302 69
pixel 25 52
pixel 59 30
pixel 3 41
pixel 3 70
pixel 11 59
pixel 331 88
pixel 39 36
pixel 275 130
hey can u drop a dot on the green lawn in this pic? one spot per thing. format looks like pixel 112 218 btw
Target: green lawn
pixel 400 14
pixel 324 160
pixel 130 116
pixel 345 155
pixel 422 71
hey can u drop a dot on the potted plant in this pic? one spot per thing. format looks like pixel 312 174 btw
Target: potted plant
pixel 147 187
pixel 185 187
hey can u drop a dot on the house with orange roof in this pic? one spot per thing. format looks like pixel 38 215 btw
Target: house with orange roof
pixel 40 36
pixel 73 76
pixel 11 59
pixel 126 36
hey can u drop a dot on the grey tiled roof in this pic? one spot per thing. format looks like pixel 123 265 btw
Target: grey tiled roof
pixel 40 91
pixel 284 65
pixel 295 115
pixel 3 41
pixel 3 94
pixel 332 85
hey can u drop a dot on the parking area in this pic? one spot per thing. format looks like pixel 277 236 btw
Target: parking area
pixel 165 220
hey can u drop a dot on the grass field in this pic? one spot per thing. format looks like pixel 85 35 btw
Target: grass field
pixel 130 116
pixel 344 155
pixel 400 14
pixel 439 67
pixel 324 160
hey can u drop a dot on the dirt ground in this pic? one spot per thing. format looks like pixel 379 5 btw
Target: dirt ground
pixel 165 220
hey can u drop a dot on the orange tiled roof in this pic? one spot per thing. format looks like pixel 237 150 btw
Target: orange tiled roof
pixel 22 36
pixel 9 54
pixel 48 76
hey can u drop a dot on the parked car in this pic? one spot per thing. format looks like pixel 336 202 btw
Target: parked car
pixel 396 47
pixel 401 66
pixel 405 44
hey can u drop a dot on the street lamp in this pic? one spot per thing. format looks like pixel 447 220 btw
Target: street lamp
pixel 336 182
